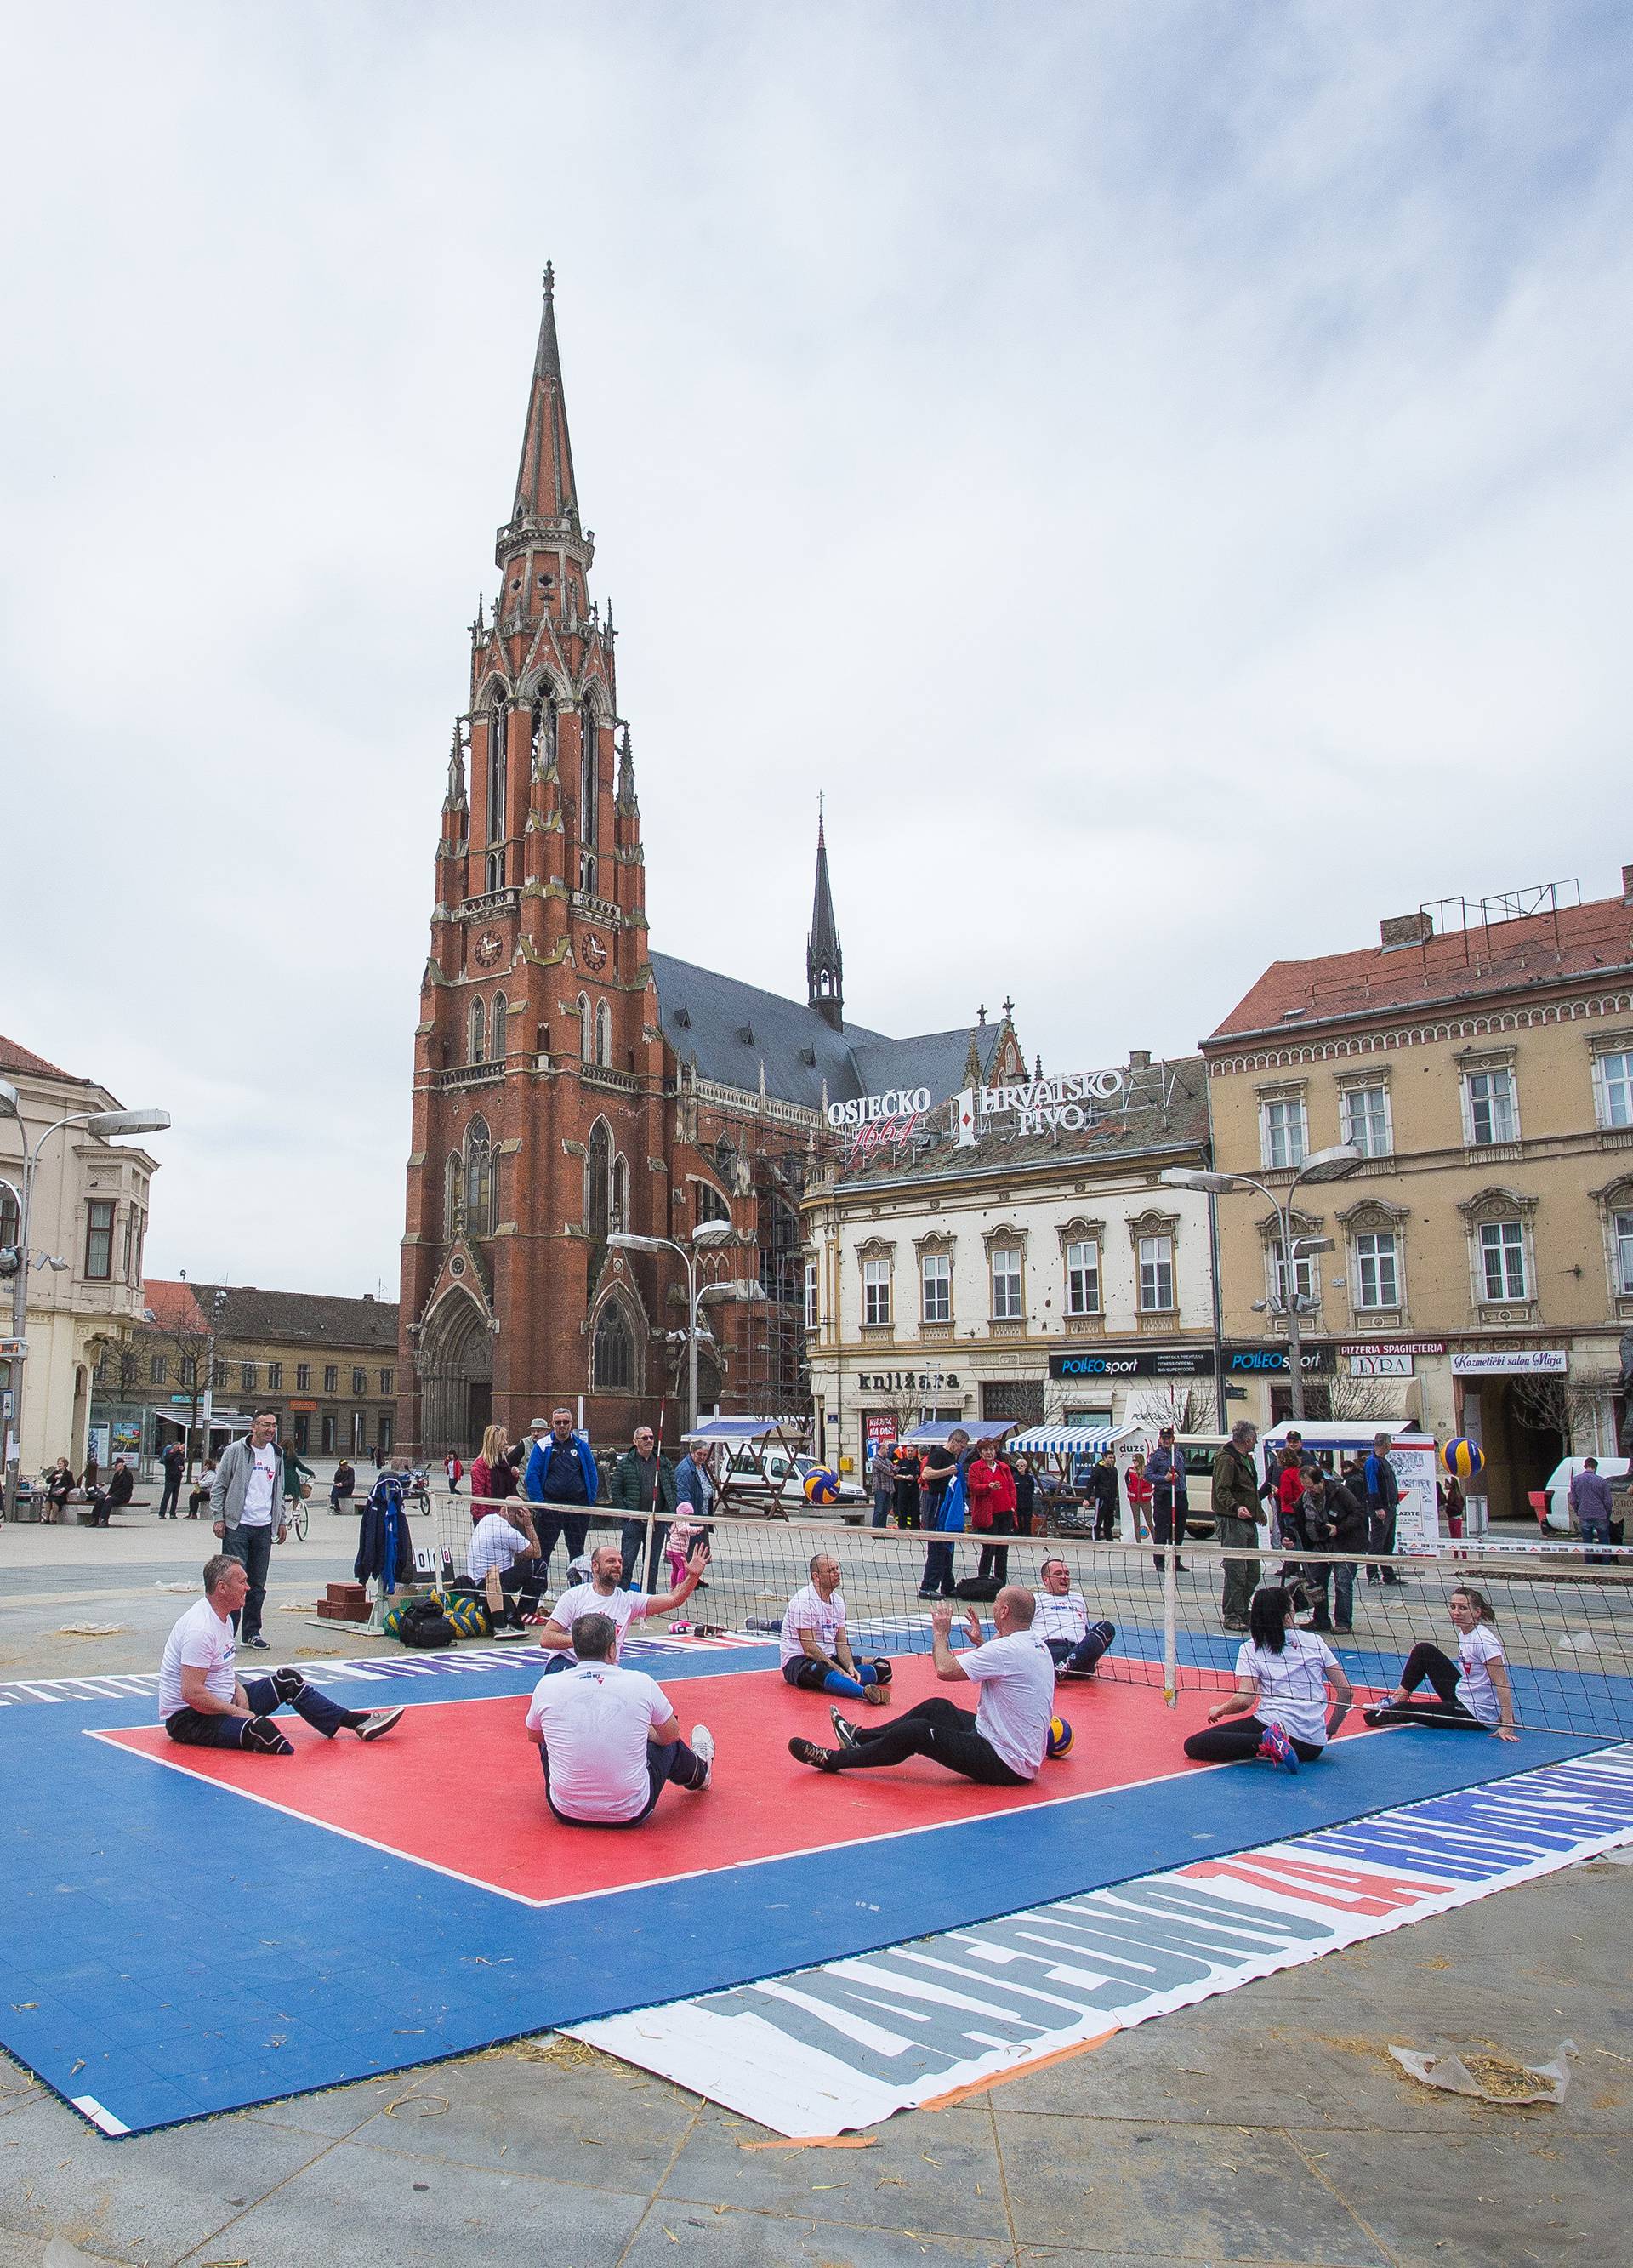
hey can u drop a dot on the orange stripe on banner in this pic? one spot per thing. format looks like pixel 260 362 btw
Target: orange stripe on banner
pixel 817 2142
pixel 997 2078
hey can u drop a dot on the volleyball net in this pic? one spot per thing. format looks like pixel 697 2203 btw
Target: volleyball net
pixel 1566 1626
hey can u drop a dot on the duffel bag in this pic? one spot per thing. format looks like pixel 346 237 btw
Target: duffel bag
pixel 978 1589
pixel 428 1631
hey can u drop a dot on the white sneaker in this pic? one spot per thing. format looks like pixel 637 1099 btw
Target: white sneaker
pixel 702 1747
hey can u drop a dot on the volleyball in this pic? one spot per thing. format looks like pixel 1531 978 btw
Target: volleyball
pixel 821 1486
pixel 1466 1459
pixel 1060 1737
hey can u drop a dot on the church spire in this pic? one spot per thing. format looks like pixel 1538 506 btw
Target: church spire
pixel 825 964
pixel 545 488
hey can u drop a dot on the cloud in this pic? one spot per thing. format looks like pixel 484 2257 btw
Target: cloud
pixel 1164 474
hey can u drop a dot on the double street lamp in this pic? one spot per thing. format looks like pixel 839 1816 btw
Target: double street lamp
pixel 103 1125
pixel 1322 1166
pixel 707 1235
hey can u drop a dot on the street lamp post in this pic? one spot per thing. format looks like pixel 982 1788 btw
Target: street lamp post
pixel 102 1124
pixel 706 1233
pixel 1322 1166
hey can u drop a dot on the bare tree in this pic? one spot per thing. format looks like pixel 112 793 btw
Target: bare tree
pixel 1362 1401
pixel 1179 1403
pixel 1566 1406
pixel 186 1344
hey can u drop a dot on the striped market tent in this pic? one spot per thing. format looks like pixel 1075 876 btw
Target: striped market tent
pixel 1076 1440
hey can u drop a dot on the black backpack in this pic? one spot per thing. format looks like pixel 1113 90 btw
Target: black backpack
pixel 979 1589
pixel 423 1624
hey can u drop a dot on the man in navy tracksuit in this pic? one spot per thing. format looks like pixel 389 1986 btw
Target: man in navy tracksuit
pixel 560 1475
pixel 1383 1495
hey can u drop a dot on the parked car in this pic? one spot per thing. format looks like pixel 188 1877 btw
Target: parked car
pixel 782 1478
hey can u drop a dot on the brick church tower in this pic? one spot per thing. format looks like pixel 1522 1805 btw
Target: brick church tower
pixel 538 1111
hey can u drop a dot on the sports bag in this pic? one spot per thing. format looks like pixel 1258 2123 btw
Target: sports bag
pixel 427 1630
pixel 979 1589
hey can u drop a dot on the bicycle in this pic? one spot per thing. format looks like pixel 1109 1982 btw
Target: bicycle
pixel 295 1516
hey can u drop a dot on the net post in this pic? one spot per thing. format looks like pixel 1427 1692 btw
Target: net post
pixel 649 1589
pixel 1171 1626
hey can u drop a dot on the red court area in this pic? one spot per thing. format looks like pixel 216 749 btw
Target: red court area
pixel 458 1785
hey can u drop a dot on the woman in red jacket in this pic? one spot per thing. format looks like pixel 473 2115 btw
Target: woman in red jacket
pixel 990 1485
pixel 1140 1495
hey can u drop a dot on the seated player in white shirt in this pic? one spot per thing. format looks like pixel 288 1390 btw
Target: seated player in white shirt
pixel 203 1704
pixel 1283 1677
pixel 1003 1744
pixel 1075 1644
pixel 503 1556
pixel 602 1595
pixel 815 1648
pixel 1472 1694
pixel 608 1738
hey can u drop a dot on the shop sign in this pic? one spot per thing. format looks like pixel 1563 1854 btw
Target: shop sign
pixel 916 1382
pixel 878 1432
pixel 1134 1362
pixel 1510 1362
pixel 1036 1106
pixel 1393 1364
pixel 305 1408
pixel 868 1109
pixel 1392 1346
pixel 1272 1361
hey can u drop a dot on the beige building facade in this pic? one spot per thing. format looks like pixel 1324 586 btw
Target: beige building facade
pixel 89 1210
pixel 1480 1059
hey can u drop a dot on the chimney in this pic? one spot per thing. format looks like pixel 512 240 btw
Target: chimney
pixel 1627 885
pixel 1139 1059
pixel 1406 929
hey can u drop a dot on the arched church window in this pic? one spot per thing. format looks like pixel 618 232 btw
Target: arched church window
pixel 621 1194
pixel 479 1030
pixel 589 799
pixel 597 1183
pixel 479 1180
pixel 497 788
pixel 497 1030
pixel 453 1197
pixel 603 1036
pixel 612 1370
pixel 543 729
pixel 586 1031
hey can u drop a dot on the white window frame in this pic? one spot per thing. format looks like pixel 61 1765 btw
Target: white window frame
pixel 1007 1272
pixel 935 1287
pixel 1621 1253
pixel 1384 1256
pixel 813 1300
pixel 1306 1270
pixel 1284 1115
pixel 1083 1276
pixel 1473 1138
pixel 1613 1091
pixel 1494 1239
pixel 876 1299
pixel 1351 1096
pixel 1156 1264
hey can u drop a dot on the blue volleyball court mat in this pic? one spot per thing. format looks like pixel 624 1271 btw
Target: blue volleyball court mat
pixel 184 1940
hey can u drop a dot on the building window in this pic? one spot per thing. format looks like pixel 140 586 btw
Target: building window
pixel 99 1241
pixel 813 1311
pixel 543 731
pixel 1622 1235
pixel 329 1433
pixel 157 1371
pixel 614 1369
pixel 1303 1270
pixel 188 1367
pixel 388 1382
pixel 218 1377
pixel 1377 1274
pixel 1008 1297
pixel 1366 1120
pixel 382 1430
pixel 453 1197
pixel 498 1028
pixel 275 1378
pixel 876 1292
pixel 331 1378
pixel 1282 1142
pixel 10 1234
pixel 246 1378
pixel 1156 1274
pixel 130 1232
pixel 1613 1080
pixel 1083 1280
pixel 359 1379
pixel 708 1203
pixel 589 799
pixel 479 1030
pixel 586 1031
pixel 496 783
pixel 1490 1112
pixel 303 1378
pixel 302 1436
pixel 936 1287
pixel 480 1213
pixel 598 1184
pixel 1503 1259
pixel 603 1037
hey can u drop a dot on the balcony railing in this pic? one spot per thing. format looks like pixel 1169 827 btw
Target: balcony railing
pixel 481 1074
pixel 491 902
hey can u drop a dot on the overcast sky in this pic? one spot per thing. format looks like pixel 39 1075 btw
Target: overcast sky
pixel 1162 471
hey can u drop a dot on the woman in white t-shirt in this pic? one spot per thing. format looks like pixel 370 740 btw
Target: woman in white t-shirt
pixel 1472 1694
pixel 1284 1678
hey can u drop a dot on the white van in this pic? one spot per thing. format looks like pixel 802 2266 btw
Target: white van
pixel 1557 1488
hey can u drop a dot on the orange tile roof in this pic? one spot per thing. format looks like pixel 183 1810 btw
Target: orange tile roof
pixel 1509 956
pixel 13 1058
pixel 172 1305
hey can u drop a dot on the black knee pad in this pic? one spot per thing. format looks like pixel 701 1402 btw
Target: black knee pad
pixel 882 1672
pixel 263 1737
pixel 287 1683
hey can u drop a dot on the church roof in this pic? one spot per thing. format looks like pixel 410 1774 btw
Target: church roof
pixel 728 1029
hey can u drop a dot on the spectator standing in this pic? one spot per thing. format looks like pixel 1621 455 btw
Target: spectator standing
pixel 1171 1502
pixel 695 1484
pixel 174 1462
pixel 1591 1507
pixel 1334 1519
pixel 562 1480
pixel 1026 1493
pixel 991 1487
pixel 493 1471
pixel 1238 1514
pixel 883 1476
pixel 943 1508
pixel 246 1503
pixel 1452 1504
pixel 455 1470
pixel 908 1465
pixel 1383 1496
pixel 644 1481
pixel 1140 1493
pixel 1104 1496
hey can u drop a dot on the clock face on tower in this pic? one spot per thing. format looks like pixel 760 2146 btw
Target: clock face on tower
pixel 488 947
pixel 594 951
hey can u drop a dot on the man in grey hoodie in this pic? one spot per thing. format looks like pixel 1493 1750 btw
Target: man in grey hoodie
pixel 247 1506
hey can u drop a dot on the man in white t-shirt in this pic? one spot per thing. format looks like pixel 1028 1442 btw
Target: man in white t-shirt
pixel 504 1544
pixel 1003 1744
pixel 1075 1644
pixel 203 1704
pixel 815 1648
pixel 602 1595
pixel 608 1738
pixel 247 1506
